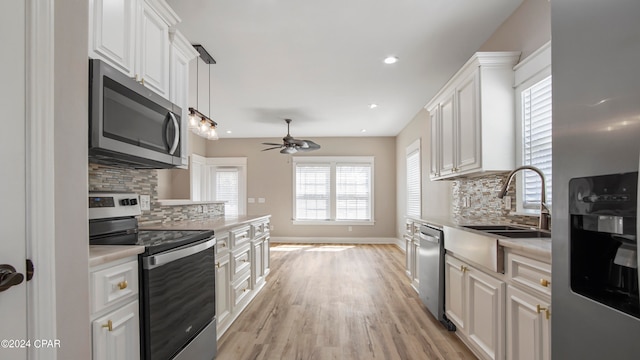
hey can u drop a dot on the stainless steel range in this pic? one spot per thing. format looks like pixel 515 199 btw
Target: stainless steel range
pixel 177 279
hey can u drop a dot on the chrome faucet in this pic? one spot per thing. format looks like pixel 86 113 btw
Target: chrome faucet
pixel 545 215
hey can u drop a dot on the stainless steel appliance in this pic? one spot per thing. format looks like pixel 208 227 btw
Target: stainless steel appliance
pixel 130 124
pixel 596 132
pixel 431 273
pixel 177 279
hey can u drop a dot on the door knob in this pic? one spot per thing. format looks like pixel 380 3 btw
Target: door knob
pixel 9 277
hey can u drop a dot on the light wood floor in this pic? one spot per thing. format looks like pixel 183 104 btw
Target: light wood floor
pixel 338 302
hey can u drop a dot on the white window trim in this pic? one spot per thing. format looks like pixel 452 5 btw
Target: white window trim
pixel 414 147
pixel 211 163
pixel 332 205
pixel 528 72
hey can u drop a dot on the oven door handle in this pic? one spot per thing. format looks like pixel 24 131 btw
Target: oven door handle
pixel 155 261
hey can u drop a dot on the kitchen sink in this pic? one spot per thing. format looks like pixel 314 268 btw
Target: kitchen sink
pixel 493 227
pixel 521 234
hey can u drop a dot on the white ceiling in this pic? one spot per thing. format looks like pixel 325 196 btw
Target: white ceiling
pixel 320 62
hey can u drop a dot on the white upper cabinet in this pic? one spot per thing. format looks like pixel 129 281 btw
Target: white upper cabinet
pixel 181 53
pixel 112 33
pixel 133 37
pixel 473 119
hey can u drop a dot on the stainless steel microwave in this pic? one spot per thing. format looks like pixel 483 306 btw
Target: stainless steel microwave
pixel 130 124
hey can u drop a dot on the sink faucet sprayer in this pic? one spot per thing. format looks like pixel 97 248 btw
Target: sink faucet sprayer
pixel 545 216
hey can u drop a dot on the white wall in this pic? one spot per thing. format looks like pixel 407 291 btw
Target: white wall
pixel 270 176
pixel 71 182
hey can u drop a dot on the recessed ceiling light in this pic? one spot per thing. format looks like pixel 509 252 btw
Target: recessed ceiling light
pixel 228 131
pixel 373 106
pixel 390 60
pixel 363 130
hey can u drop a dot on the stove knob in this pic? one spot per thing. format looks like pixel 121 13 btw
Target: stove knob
pixel 124 202
pixel 133 201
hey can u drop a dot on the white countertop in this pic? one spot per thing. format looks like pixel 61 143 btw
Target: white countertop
pixel 101 254
pixel 216 224
pixel 536 246
pixel 181 202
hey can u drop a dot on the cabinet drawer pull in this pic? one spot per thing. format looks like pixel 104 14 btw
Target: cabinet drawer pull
pixel 244 260
pixel 123 285
pixel 223 244
pixel 545 282
pixel 540 309
pixel 218 265
pixel 245 290
pixel 108 325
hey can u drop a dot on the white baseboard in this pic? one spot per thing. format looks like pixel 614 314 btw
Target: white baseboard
pixel 336 240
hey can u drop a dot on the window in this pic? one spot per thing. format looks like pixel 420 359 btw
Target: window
pixel 536 141
pixel 414 199
pixel 227 181
pixel 220 179
pixel 332 190
pixel 533 96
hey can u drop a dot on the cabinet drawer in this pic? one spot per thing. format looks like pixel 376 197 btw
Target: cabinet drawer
pixel 113 284
pixel 529 273
pixel 260 228
pixel 241 289
pixel 240 236
pixel 222 242
pixel 241 261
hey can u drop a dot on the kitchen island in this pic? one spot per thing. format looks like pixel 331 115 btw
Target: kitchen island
pixel 241 256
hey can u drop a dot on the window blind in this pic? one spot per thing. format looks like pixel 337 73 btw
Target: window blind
pixel 413 183
pixel 313 186
pixel 353 197
pixel 227 189
pixel 537 146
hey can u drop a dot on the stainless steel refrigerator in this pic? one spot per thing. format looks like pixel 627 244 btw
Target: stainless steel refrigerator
pixel 596 145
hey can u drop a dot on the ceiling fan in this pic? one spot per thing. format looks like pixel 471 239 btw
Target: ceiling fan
pixel 290 145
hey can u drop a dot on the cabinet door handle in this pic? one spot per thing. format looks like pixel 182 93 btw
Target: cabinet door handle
pixel 108 325
pixel 545 282
pixel 142 81
pixel 464 268
pixel 218 265
pixel 123 285
pixel 540 309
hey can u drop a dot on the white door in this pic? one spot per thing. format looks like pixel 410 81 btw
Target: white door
pixel 13 300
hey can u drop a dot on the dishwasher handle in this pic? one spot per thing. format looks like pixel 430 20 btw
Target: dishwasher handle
pixel 430 238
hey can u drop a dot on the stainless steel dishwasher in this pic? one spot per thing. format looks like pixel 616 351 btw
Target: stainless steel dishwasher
pixel 431 273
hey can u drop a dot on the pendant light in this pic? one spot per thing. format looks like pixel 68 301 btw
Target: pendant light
pixel 199 123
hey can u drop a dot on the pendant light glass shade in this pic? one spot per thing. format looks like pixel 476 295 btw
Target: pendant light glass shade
pixel 199 123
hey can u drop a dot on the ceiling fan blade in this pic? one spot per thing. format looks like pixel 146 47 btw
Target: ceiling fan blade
pixel 272 144
pixel 271 148
pixel 300 143
pixel 288 150
pixel 310 146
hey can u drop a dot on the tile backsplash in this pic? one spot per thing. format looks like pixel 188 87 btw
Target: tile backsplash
pixel 145 182
pixel 483 202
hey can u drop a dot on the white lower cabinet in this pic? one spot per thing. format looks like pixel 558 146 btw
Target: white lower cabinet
pixel 528 308
pixel 115 324
pixel 528 326
pixel 223 283
pixel 474 302
pixel 116 335
pixel 242 264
